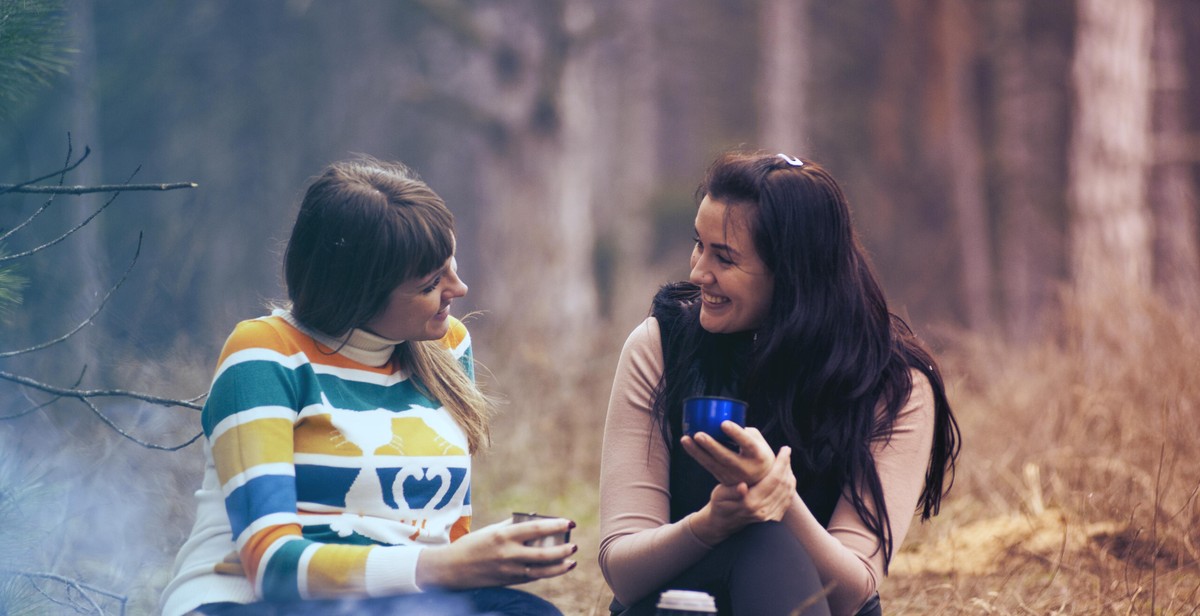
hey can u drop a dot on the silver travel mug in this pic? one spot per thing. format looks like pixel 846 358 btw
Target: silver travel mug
pixel 544 542
pixel 686 603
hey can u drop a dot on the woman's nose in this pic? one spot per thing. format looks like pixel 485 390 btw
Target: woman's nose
pixel 700 274
pixel 457 288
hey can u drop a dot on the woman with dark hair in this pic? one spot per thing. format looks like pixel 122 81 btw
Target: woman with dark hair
pixel 848 430
pixel 339 430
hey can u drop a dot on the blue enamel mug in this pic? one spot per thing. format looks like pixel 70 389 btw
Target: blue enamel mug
pixel 705 414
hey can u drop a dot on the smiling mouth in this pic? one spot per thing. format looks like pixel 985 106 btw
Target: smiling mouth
pixel 713 299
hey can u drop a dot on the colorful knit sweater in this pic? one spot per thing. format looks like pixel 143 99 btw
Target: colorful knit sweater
pixel 324 476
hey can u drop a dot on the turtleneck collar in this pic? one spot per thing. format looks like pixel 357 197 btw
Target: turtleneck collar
pixel 359 345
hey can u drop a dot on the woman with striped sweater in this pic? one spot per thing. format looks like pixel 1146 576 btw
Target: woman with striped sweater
pixel 339 431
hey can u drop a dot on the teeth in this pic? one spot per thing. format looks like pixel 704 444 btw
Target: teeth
pixel 713 299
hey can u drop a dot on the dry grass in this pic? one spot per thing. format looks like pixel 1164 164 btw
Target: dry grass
pixel 1076 491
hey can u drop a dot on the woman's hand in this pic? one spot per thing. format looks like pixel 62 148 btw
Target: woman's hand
pixel 496 555
pixel 731 508
pixel 748 465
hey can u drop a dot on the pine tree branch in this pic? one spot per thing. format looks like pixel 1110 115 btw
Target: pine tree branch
pixel 83 190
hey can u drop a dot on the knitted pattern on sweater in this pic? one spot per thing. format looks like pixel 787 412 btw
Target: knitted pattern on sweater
pixel 325 476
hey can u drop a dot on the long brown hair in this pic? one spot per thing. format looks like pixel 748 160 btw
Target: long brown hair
pixel 364 228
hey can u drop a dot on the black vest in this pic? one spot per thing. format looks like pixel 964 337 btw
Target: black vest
pixel 714 361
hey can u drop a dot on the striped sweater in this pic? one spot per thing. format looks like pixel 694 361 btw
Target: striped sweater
pixel 324 476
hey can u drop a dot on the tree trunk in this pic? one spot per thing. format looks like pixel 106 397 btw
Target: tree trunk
pixel 963 157
pixel 1026 113
pixel 629 169
pixel 536 228
pixel 783 76
pixel 88 264
pixel 1109 154
pixel 1173 194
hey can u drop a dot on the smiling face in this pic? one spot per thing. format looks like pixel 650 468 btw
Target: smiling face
pixel 417 309
pixel 735 285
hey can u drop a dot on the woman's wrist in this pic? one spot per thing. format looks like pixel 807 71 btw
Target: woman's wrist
pixel 432 567
pixel 706 527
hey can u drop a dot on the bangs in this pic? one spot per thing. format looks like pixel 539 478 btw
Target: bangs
pixel 416 242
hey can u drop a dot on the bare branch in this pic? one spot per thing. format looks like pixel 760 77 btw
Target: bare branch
pixel 84 394
pixel 148 445
pixel 28 220
pixel 82 190
pixel 90 317
pixel 62 237
pixel 6 188
pixel 70 231
pixel 30 410
pixel 62 176
pixel 76 585
pixel 37 407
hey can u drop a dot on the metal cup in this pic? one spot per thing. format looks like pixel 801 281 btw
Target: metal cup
pixel 548 540
pixel 685 603
pixel 705 414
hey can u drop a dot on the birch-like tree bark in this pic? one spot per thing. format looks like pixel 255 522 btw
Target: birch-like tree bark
pixel 1173 195
pixel 1109 154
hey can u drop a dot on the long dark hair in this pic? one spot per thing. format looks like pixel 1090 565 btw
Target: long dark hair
pixel 829 369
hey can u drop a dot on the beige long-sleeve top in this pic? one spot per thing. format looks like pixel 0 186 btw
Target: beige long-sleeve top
pixel 640 549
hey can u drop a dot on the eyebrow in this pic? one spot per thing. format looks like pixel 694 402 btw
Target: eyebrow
pixel 427 280
pixel 719 246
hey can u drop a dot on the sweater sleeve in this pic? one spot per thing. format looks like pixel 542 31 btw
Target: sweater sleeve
pixel 846 552
pixel 253 406
pixel 640 549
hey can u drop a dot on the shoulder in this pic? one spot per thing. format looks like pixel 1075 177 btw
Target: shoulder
pixel 271 332
pixel 642 353
pixel 645 339
pixel 918 409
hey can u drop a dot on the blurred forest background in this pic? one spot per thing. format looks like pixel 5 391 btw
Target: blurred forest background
pixel 1024 173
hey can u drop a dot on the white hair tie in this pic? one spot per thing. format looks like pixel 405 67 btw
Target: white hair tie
pixel 795 162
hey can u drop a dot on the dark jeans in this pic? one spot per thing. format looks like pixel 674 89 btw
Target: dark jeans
pixel 477 602
pixel 762 570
